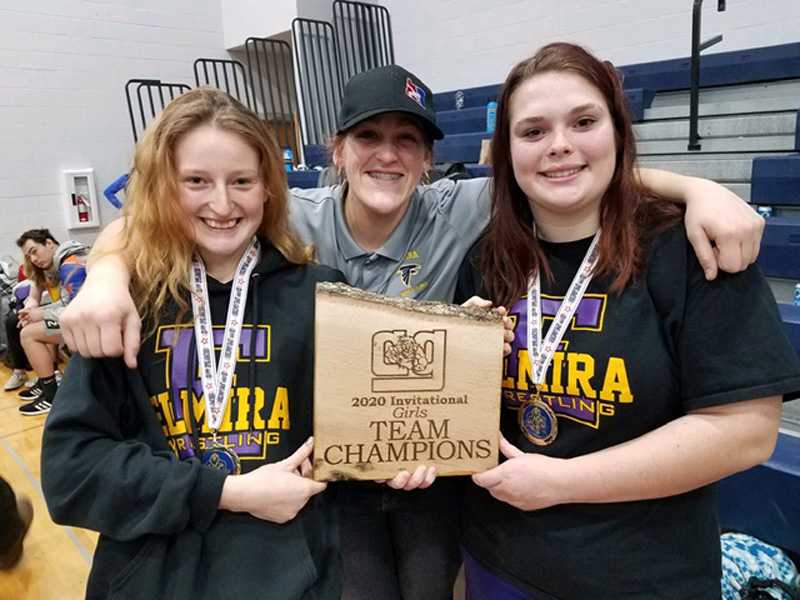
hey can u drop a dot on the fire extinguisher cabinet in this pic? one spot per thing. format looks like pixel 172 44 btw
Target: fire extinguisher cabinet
pixel 80 199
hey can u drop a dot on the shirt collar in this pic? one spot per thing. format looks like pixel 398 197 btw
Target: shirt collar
pixel 394 248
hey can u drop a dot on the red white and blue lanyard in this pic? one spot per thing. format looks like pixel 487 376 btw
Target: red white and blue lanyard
pixel 218 377
pixel 541 355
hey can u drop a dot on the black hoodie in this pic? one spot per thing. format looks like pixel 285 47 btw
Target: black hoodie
pixel 117 458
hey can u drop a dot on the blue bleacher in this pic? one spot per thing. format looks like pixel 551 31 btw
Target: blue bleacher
pixel 460 147
pixel 316 155
pixel 780 248
pixel 724 68
pixel 776 180
pixel 476 170
pixel 643 81
pixel 476 97
pixel 790 315
pixel 302 179
pixel 765 501
pixel 797 133
pixel 466 120
pixel 639 99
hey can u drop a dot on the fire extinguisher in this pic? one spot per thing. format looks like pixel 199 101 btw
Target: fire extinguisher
pixel 79 201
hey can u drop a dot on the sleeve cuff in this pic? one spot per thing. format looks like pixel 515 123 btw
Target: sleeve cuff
pixel 205 499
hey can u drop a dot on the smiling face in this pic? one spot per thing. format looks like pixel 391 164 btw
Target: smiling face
pixel 383 159
pixel 563 151
pixel 221 191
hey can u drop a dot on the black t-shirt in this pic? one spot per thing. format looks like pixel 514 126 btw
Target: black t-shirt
pixel 670 343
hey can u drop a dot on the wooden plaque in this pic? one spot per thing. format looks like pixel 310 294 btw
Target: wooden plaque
pixel 399 383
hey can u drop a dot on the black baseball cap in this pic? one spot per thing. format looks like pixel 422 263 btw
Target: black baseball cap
pixel 387 89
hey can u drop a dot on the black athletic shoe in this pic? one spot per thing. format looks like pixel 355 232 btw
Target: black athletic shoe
pixel 42 404
pixel 32 392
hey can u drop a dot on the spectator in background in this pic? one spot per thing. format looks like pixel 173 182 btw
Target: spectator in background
pixel 59 270
pixel 8 279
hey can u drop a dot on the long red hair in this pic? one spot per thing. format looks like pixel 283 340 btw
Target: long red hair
pixel 628 218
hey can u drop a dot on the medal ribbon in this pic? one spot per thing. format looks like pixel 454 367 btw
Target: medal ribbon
pixel 217 378
pixel 541 355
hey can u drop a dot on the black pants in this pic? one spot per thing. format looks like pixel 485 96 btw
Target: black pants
pixel 399 555
pixel 15 350
pixel 11 525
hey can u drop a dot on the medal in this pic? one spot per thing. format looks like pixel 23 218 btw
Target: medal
pixel 217 376
pixel 536 418
pixel 221 458
pixel 537 421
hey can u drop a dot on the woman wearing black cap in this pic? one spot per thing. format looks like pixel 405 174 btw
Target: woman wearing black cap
pixel 389 234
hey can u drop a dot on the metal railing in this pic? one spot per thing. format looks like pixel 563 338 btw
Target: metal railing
pixel 317 62
pixel 151 102
pixel 694 89
pixel 226 75
pixel 364 36
pixel 274 95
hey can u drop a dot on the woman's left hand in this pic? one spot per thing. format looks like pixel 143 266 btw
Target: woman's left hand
pixel 714 213
pixel 422 477
pixel 508 324
pixel 525 481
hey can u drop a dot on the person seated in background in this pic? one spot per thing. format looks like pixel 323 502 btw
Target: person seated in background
pixel 14 357
pixel 60 270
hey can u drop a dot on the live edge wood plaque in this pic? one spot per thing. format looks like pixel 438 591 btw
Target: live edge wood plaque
pixel 399 383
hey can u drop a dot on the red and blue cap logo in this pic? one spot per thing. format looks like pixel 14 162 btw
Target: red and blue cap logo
pixel 415 92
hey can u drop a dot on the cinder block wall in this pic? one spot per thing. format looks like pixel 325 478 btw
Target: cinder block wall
pixel 63 66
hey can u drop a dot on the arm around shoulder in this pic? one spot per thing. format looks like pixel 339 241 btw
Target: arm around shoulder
pixel 713 214
pixel 102 320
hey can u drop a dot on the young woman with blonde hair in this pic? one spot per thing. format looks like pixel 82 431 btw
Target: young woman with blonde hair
pixel 193 467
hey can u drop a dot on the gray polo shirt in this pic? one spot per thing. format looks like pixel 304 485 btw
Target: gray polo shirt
pixel 421 257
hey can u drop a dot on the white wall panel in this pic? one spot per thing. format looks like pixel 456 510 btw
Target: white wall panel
pixel 453 44
pixel 63 67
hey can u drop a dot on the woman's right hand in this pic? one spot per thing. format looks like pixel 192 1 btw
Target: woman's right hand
pixel 102 319
pixel 275 492
pixel 508 324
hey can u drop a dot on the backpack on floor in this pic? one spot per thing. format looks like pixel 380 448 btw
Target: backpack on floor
pixel 755 570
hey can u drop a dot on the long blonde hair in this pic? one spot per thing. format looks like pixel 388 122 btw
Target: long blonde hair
pixel 157 244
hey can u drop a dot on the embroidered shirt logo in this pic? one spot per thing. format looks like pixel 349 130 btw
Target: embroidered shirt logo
pixel 406 272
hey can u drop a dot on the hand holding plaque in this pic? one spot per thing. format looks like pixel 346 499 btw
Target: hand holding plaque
pixel 399 383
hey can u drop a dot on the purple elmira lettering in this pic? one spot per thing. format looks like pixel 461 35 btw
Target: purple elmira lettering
pixel 588 316
pixel 176 342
